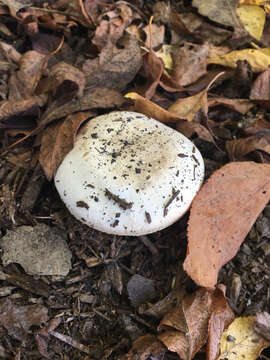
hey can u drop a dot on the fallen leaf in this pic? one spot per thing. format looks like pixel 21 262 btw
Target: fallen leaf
pixel 10 109
pixel 260 90
pixel 240 105
pixel 222 12
pixel 262 325
pixel 23 83
pixel 240 341
pixel 16 5
pixel 153 67
pixel 145 346
pixel 66 80
pixel 17 320
pixel 220 318
pixel 115 67
pixel 190 128
pixel 74 9
pixel 63 133
pixel 221 216
pixel 240 147
pixel 98 98
pixel 186 108
pixel 259 60
pixel 158 33
pixel 253 19
pixel 149 108
pixel 191 320
pixel 112 26
pixel 189 63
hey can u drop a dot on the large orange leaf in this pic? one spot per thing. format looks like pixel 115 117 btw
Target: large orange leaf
pixel 222 215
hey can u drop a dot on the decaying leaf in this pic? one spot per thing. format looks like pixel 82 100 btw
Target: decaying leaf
pixel 191 321
pixel 223 12
pixel 221 317
pixel 110 29
pixel 63 133
pixel 240 341
pixel 185 329
pixel 222 215
pixel 115 67
pixel 189 63
pixel 145 346
pixel 30 106
pixel 97 98
pixel 18 319
pixel 260 90
pixel 262 325
pixel 240 105
pixel 186 108
pixel 190 128
pixel 65 78
pixel 240 147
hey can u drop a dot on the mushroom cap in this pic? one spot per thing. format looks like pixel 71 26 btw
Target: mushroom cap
pixel 129 174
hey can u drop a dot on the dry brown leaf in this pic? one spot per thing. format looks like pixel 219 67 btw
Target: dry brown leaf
pixel 23 83
pixel 189 63
pixel 221 317
pixel 240 105
pixel 16 5
pixel 158 33
pixel 262 325
pixel 257 126
pixel 153 67
pixel 221 216
pixel 66 79
pixel 240 147
pixel 145 346
pixel 189 128
pixel 260 90
pixel 115 67
pixel 30 106
pixel 191 320
pixel 149 108
pixel 222 12
pixel 18 319
pixel 57 141
pixel 186 108
pixel 113 25
pixel 98 98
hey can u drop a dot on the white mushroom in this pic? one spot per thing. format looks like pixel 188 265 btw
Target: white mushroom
pixel 129 174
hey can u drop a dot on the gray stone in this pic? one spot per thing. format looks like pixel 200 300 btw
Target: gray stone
pixel 40 250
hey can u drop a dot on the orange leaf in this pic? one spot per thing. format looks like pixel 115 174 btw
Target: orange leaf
pixel 221 216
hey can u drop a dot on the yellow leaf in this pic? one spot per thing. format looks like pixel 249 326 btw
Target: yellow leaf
pixel 253 19
pixel 149 108
pixel 267 9
pixel 186 108
pixel 165 54
pixel 252 2
pixel 240 341
pixel 259 60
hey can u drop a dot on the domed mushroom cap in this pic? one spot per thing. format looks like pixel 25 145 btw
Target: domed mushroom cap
pixel 128 174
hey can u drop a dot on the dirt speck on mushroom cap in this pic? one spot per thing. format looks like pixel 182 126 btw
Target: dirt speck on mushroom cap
pixel 134 174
